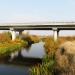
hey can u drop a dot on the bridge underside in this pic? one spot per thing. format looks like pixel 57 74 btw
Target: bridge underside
pixel 44 28
pixel 55 27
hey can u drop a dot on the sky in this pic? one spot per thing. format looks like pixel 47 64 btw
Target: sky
pixel 21 11
pixel 36 10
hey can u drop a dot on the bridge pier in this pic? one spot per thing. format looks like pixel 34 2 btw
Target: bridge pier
pixel 55 34
pixel 13 33
pixel 20 33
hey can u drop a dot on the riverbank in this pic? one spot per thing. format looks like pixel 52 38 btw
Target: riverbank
pixel 50 63
pixel 12 46
pixel 8 46
pixel 46 66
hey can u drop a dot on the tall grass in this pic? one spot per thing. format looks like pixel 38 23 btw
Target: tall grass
pixel 46 68
pixel 7 45
pixel 48 62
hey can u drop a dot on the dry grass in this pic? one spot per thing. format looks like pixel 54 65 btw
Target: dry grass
pixel 32 38
pixel 65 58
pixel 7 45
pixel 64 51
pixel 64 39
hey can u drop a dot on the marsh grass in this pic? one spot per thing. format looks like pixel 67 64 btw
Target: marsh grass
pixel 7 45
pixel 46 68
pixel 48 62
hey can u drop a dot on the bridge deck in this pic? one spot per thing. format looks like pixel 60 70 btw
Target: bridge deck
pixel 38 26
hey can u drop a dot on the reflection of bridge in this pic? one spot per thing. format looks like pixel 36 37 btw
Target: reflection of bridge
pixel 55 26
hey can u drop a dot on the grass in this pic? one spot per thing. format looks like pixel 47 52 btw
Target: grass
pixel 46 68
pixel 7 45
pixel 48 62
pixel 32 38
pixel 6 48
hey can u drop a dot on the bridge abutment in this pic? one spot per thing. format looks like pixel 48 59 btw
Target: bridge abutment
pixel 20 33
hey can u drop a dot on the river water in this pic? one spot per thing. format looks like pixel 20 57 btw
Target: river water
pixel 6 69
pixel 35 51
pixel 20 61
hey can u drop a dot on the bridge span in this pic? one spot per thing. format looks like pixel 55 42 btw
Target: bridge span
pixel 55 26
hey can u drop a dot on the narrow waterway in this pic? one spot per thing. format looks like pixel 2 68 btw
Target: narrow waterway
pixel 6 69
pixel 35 51
pixel 20 62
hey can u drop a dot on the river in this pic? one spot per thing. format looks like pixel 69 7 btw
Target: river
pixel 20 62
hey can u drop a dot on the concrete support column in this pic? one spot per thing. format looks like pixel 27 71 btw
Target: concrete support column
pixel 13 33
pixel 55 34
pixel 20 33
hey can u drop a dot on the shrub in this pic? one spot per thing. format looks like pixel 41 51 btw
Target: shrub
pixel 4 38
pixel 50 46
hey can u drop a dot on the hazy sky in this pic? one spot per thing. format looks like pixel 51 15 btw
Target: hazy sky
pixel 50 32
pixel 36 10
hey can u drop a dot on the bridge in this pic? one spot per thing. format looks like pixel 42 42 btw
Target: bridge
pixel 55 26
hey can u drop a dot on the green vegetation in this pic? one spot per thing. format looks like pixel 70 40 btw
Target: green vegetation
pixel 7 45
pixel 6 48
pixel 50 45
pixel 31 38
pixel 48 63
pixel 46 68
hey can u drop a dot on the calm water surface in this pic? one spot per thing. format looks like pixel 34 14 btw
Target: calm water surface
pixel 13 70
pixel 35 51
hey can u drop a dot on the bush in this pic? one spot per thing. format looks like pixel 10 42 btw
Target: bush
pixel 4 38
pixel 50 46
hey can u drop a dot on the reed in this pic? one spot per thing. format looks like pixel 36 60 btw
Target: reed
pixel 7 45
pixel 48 63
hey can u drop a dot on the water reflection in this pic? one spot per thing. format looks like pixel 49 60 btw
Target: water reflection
pixel 26 57
pixel 34 51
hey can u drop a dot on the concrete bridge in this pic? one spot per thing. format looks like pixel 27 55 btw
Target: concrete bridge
pixel 55 26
